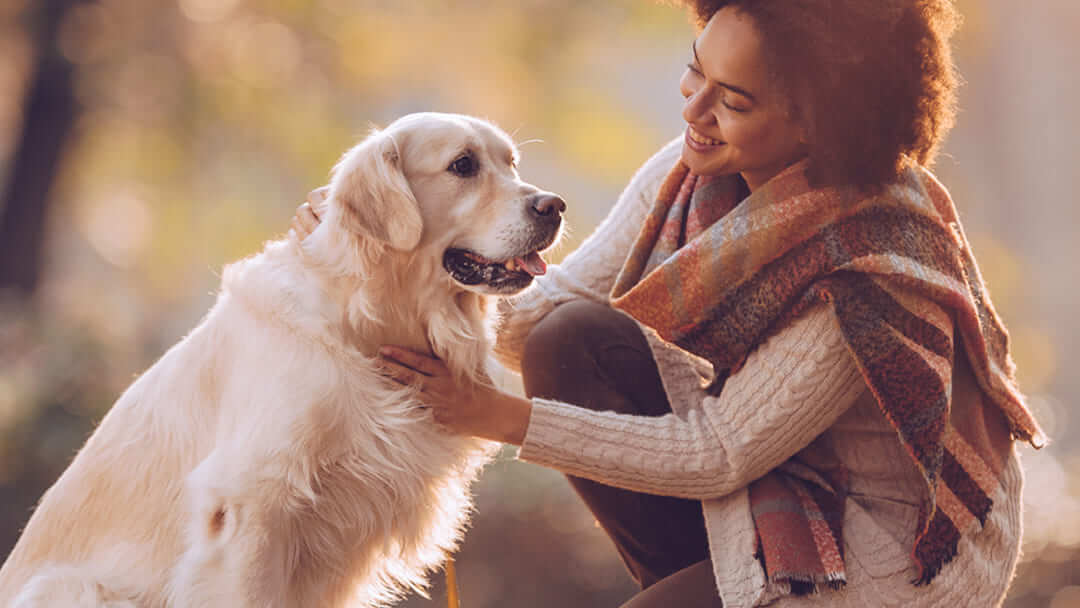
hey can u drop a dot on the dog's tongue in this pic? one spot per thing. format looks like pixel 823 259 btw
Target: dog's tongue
pixel 533 264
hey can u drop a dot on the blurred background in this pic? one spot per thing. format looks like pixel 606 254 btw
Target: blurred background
pixel 146 143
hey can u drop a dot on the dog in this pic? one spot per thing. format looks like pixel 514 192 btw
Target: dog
pixel 264 461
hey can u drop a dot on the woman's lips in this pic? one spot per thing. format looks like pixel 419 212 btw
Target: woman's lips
pixel 699 142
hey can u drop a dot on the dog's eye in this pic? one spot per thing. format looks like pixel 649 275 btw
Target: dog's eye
pixel 463 166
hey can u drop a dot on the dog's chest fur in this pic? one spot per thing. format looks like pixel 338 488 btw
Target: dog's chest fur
pixel 376 491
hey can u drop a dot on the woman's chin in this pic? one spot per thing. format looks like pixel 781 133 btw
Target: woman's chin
pixel 702 163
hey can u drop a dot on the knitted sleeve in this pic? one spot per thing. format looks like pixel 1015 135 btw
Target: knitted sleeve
pixel 791 389
pixel 590 270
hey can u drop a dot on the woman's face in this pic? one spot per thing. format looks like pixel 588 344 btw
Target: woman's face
pixel 737 120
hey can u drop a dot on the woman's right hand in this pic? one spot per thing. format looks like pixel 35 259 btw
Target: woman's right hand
pixel 307 215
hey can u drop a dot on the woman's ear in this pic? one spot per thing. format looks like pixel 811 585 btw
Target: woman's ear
pixel 375 198
pixel 804 134
pixel 797 114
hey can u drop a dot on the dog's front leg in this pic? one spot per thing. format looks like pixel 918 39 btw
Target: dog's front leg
pixel 237 553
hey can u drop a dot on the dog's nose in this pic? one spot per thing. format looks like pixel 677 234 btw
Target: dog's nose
pixel 548 204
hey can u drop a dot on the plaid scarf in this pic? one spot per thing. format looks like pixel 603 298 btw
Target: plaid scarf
pixel 717 275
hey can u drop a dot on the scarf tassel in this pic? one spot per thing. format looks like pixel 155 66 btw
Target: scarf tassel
pixel 806 586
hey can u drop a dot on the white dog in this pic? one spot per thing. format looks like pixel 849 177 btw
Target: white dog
pixel 263 461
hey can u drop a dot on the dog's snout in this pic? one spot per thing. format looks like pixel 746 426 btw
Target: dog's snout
pixel 548 204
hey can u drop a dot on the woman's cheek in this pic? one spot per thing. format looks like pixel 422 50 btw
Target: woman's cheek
pixel 745 132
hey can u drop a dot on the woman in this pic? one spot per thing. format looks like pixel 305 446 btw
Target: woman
pixel 773 372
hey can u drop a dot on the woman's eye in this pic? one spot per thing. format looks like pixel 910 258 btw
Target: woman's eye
pixel 734 106
pixel 464 166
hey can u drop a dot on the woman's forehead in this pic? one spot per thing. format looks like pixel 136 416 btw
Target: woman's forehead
pixel 729 50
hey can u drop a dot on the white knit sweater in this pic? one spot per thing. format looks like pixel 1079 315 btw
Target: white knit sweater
pixel 796 391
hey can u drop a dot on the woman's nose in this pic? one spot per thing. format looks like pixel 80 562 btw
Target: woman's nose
pixel 696 108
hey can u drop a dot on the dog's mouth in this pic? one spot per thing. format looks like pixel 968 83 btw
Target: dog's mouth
pixel 470 268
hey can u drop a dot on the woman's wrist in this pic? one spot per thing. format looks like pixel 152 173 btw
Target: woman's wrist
pixel 512 419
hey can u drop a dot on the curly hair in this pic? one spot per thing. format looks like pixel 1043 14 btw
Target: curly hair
pixel 872 82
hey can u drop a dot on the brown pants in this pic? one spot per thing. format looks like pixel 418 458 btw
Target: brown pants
pixel 594 357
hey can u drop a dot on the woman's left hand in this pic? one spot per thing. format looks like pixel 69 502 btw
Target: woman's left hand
pixel 308 214
pixel 476 409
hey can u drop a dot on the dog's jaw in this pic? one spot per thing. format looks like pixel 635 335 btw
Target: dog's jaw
pixel 505 275
pixel 487 276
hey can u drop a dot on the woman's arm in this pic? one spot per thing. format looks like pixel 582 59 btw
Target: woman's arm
pixel 791 389
pixel 591 269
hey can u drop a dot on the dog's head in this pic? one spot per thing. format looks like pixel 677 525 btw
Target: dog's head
pixel 447 185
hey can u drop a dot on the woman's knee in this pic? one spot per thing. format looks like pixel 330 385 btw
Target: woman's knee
pixel 557 347
pixel 584 351
pixel 694 585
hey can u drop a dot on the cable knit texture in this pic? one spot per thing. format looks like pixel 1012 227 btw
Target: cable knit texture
pixel 806 377
pixel 798 392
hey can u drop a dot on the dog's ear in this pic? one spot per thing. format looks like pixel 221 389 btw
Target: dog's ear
pixel 376 201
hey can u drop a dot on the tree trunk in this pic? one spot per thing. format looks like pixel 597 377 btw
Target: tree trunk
pixel 49 113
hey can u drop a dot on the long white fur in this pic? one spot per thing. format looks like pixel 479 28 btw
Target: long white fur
pixel 263 461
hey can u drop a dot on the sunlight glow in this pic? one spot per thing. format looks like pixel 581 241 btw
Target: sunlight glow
pixel 118 227
pixel 206 11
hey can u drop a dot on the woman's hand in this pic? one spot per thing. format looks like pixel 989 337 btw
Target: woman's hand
pixel 476 409
pixel 306 219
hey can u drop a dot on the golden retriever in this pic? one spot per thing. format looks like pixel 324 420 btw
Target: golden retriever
pixel 263 461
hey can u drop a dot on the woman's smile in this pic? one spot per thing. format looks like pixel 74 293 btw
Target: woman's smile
pixel 699 141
